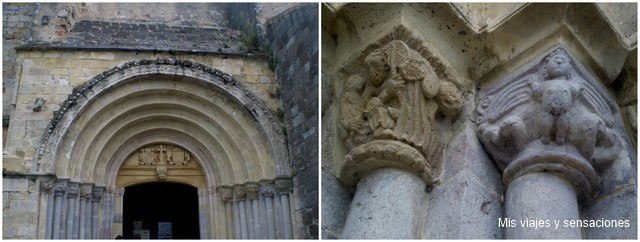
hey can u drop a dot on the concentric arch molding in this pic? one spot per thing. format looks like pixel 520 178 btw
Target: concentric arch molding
pixel 83 95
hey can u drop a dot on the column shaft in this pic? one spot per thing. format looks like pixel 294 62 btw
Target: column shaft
pixel 286 216
pixel 271 220
pixel 70 216
pixel 230 221
pixel 541 196
pixel 386 197
pixel 277 210
pixel 249 211
pixel 57 216
pixel 257 230
pixel 95 207
pixel 243 220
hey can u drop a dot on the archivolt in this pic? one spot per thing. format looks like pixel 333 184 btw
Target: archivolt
pixel 140 102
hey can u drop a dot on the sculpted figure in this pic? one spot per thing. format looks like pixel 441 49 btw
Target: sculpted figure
pixel 352 106
pixel 556 96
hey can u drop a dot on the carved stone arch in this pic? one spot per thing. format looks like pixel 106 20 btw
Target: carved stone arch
pixel 84 95
pixel 234 138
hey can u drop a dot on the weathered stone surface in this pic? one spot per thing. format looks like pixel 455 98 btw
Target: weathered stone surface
pixel 15 184
pixel 620 206
pixel 462 207
pixel 335 204
pixel 294 40
pixel 386 196
pixel 541 197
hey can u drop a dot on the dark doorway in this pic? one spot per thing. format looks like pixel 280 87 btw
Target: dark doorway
pixel 149 204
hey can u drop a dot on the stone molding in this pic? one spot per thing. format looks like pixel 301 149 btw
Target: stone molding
pixel 550 118
pixel 267 123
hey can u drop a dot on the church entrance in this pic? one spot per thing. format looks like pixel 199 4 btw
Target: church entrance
pixel 161 210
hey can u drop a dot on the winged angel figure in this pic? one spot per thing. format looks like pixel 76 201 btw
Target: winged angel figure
pixel 552 104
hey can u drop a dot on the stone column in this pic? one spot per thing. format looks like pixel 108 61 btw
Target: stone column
pixel 262 208
pixel 283 187
pixel 72 193
pixel 214 225
pixel 96 196
pixel 240 196
pixel 391 190
pixel 59 189
pixel 529 197
pixel 85 198
pixel 386 196
pixel 226 215
pixel 107 218
pixel 46 208
pixel 268 192
pixel 253 190
pixel 548 129
pixel 118 206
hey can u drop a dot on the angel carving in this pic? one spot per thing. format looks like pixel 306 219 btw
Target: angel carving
pixel 554 105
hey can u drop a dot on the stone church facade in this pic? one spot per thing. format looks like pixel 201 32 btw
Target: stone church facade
pixel 479 121
pixel 101 97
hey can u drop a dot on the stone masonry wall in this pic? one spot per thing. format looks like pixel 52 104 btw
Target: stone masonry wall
pixel 293 37
pixel 16 18
pixel 20 206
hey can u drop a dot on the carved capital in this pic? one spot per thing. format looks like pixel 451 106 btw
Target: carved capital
pixel 46 185
pixel 73 189
pixel 60 187
pixel 226 194
pixel 252 189
pixel 399 97
pixel 551 117
pixel 85 191
pixel 283 185
pixel 97 193
pixel 239 193
pixel 266 188
pixel 211 190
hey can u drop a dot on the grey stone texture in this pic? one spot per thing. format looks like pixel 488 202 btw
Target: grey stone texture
pixel 20 206
pixel 541 199
pixel 335 204
pixel 94 34
pixel 386 196
pixel 293 38
pixel 466 203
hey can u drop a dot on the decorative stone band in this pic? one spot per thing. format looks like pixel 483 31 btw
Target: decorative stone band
pixel 565 162
pixel 376 154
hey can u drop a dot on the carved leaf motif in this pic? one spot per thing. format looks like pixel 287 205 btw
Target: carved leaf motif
pixel 504 100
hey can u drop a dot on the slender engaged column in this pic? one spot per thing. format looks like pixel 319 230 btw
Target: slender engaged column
pixel 226 198
pixel 253 190
pixel 96 196
pixel 59 189
pixel 117 215
pixel 265 185
pixel 107 220
pixel 72 193
pixel 386 196
pixel 283 186
pixel 85 194
pixel 46 198
pixel 214 225
pixel 240 196
pixel 269 193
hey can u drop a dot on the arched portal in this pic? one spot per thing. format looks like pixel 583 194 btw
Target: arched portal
pixel 166 109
